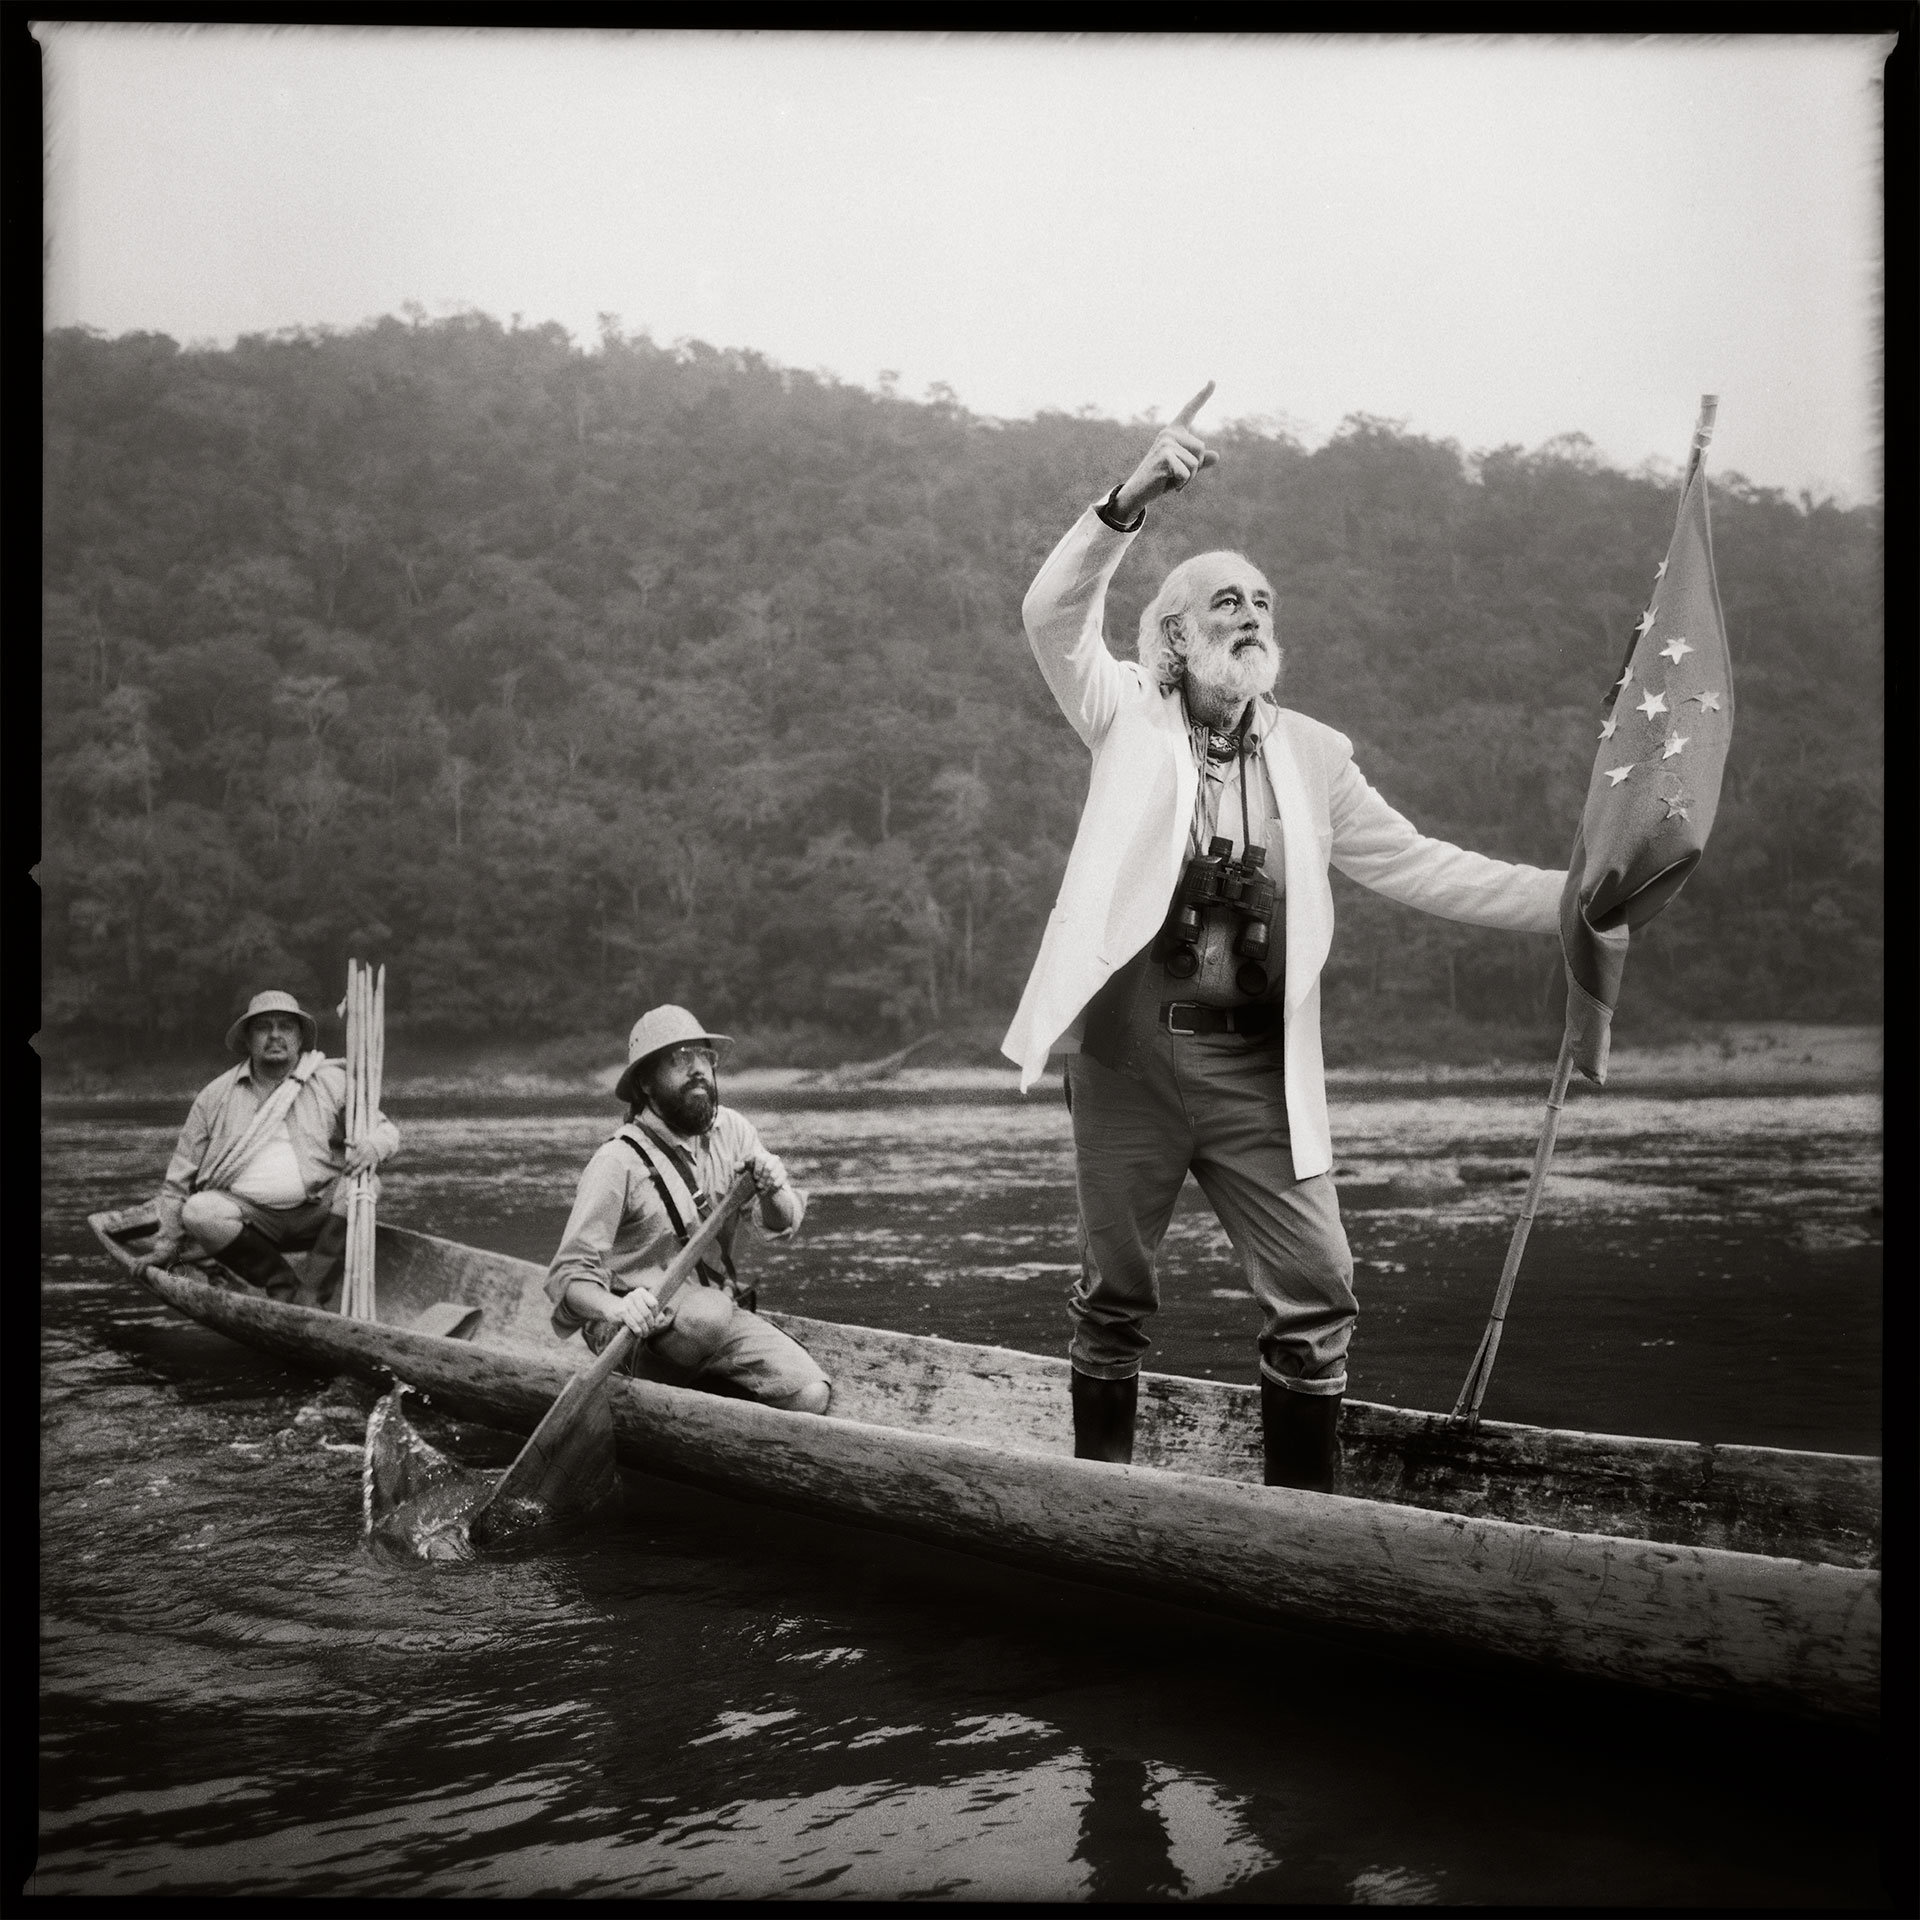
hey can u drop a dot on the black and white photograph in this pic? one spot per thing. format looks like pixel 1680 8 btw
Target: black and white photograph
pixel 962 965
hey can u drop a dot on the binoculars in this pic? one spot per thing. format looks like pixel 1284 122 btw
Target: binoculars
pixel 1216 879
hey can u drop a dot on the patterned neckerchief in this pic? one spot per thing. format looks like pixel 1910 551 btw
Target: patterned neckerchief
pixel 1214 753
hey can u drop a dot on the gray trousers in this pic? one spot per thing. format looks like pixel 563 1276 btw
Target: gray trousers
pixel 1214 1105
pixel 755 1356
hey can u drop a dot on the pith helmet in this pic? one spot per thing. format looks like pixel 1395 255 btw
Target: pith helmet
pixel 273 1002
pixel 654 1032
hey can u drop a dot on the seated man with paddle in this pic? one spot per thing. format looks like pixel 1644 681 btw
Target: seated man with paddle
pixel 643 1195
pixel 262 1165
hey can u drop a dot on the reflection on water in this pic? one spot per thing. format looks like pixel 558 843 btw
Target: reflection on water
pixel 704 1701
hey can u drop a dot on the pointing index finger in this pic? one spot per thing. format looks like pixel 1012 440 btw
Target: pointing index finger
pixel 1184 418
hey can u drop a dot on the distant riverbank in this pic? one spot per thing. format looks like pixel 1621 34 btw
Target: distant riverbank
pixel 1745 1057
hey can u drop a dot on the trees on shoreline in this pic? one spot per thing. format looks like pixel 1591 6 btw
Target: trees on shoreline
pixel 565 679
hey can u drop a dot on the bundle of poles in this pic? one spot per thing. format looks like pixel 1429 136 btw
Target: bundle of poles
pixel 366 1054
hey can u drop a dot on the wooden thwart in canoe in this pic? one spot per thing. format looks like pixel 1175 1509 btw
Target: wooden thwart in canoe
pixel 1736 1573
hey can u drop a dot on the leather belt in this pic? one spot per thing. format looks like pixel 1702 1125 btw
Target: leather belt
pixel 1188 1017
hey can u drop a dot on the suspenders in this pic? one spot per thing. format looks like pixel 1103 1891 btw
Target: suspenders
pixel 680 1196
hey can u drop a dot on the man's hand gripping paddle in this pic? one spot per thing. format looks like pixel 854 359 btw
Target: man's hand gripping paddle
pixel 567 1466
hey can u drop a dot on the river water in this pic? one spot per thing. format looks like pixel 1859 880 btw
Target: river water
pixel 708 1701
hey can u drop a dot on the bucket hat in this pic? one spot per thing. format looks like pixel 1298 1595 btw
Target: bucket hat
pixel 654 1032
pixel 273 1002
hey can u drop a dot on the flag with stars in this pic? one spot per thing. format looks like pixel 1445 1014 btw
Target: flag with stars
pixel 1656 776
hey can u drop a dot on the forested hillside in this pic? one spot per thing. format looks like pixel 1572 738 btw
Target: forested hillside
pixel 566 680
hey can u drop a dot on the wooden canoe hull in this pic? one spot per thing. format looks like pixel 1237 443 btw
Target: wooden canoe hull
pixel 1792 1634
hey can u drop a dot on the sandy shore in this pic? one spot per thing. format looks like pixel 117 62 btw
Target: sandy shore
pixel 1757 1057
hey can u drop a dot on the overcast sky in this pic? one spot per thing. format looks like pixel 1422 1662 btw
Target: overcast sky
pixel 1494 240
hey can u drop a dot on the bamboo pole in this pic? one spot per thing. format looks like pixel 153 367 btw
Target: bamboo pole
pixel 356 1081
pixel 346 1045
pixel 377 1046
pixel 368 1097
pixel 373 999
pixel 1475 1388
pixel 353 1044
pixel 346 1278
pixel 379 1038
pixel 350 1284
pixel 363 1106
pixel 364 1181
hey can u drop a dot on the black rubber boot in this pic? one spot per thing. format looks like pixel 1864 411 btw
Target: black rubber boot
pixel 257 1261
pixel 1301 1432
pixel 326 1264
pixel 1103 1417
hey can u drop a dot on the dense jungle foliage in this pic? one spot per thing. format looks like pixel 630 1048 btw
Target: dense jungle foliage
pixel 569 679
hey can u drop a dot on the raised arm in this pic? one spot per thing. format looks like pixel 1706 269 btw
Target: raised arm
pixel 1065 609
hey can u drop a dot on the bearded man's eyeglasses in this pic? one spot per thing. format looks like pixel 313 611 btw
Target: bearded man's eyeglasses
pixel 681 1058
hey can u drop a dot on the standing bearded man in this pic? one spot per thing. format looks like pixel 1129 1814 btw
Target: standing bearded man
pixel 1180 970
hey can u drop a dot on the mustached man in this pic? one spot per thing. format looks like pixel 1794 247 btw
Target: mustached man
pixel 1180 970
pixel 262 1164
pixel 642 1196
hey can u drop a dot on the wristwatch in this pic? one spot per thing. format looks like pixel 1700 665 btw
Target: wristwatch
pixel 1109 512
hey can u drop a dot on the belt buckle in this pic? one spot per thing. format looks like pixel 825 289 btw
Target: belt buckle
pixel 1178 1007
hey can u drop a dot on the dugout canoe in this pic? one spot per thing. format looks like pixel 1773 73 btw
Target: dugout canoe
pixel 1729 1573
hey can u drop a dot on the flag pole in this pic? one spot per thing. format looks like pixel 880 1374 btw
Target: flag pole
pixel 1702 432
pixel 1475 1389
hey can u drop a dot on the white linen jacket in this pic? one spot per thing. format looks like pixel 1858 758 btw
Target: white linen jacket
pixel 1132 839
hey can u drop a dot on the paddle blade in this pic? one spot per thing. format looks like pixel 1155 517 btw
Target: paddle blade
pixel 398 1465
pixel 415 1501
pixel 563 1473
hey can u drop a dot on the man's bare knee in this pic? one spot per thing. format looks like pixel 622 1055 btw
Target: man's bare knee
pixel 211 1220
pixel 812 1398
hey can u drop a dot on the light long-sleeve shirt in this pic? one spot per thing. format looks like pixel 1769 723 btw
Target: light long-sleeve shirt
pixel 619 1231
pixel 316 1126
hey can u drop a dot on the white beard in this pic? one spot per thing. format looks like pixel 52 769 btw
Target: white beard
pixel 1219 679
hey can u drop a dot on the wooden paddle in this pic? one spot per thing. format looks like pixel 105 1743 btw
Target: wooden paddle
pixel 567 1465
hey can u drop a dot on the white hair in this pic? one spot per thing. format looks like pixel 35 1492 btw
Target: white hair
pixel 1166 667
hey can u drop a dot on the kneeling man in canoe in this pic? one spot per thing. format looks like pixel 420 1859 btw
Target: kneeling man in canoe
pixel 262 1165
pixel 1180 971
pixel 639 1200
